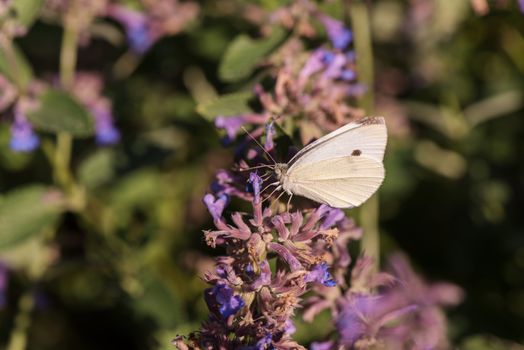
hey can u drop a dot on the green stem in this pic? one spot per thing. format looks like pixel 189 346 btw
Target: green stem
pixel 361 25
pixel 68 58
pixel 62 160
pixel 19 334
pixel 68 53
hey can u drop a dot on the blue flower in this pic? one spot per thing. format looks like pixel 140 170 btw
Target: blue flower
pixel 221 298
pixel 106 132
pixel 231 125
pixel 3 284
pixel 216 206
pixel 320 274
pixel 23 138
pixel 139 38
pixel 339 35
pixel 108 135
pixel 254 185
pixel 265 343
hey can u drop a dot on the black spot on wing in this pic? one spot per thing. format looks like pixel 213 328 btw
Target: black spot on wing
pixel 356 152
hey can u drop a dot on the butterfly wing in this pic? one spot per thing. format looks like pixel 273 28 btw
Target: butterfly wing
pixel 342 182
pixel 366 137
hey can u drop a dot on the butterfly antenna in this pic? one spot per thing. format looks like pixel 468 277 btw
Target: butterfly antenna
pixel 259 145
pixel 257 167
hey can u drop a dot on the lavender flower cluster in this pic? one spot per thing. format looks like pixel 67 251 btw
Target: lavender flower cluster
pixel 312 86
pixel 279 263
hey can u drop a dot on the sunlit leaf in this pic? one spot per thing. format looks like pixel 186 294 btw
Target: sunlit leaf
pixel 27 10
pixel 14 65
pixel 59 112
pixel 97 169
pixel 226 105
pixel 24 212
pixel 244 53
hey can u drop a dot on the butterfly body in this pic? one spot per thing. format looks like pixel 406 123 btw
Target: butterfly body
pixel 342 169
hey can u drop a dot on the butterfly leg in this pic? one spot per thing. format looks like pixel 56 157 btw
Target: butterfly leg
pixel 276 189
pixel 289 201
pixel 268 186
pixel 276 200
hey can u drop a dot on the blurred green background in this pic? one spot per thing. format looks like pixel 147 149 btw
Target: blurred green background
pixel 124 272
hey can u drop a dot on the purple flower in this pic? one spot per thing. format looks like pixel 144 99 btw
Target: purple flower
pixel 139 38
pixel 23 138
pixel 216 206
pixel 106 132
pixel 221 298
pixel 339 35
pixel 331 217
pixel 3 284
pixel 320 274
pixel 231 125
pixel 255 182
pixel 348 74
pixel 316 62
pixel 364 316
pixel 327 345
pixel 270 134
pixel 137 28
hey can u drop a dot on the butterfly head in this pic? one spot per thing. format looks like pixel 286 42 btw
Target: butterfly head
pixel 280 171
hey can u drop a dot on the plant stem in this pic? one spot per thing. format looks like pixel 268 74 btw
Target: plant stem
pixel 18 338
pixel 68 53
pixel 68 58
pixel 360 20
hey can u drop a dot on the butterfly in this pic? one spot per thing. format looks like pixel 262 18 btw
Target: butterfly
pixel 341 169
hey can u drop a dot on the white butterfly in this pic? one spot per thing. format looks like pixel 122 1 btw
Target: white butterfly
pixel 341 169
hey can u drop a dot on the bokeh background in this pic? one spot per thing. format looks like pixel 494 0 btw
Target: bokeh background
pixel 124 271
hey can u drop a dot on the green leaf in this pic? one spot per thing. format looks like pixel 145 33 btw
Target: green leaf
pixel 226 105
pixel 157 299
pixel 14 65
pixel 59 112
pixel 139 188
pixel 97 169
pixel 27 10
pixel 25 212
pixel 244 53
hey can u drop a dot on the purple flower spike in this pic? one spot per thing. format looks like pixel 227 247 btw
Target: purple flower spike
pixel 339 35
pixel 521 5
pixel 216 207
pixel 255 182
pixel 221 298
pixel 320 274
pixel 23 138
